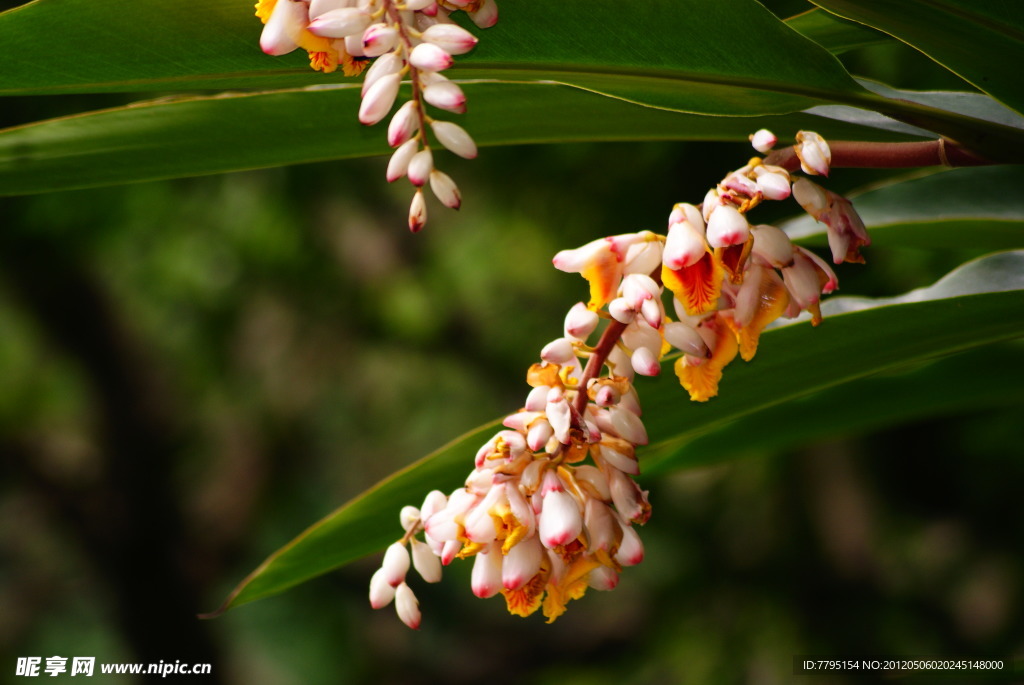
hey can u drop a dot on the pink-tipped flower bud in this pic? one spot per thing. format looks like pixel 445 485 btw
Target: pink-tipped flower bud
pixel 396 563
pixel 773 186
pixel 426 563
pixel 763 141
pixel 319 7
pixel 445 95
pixel 404 124
pixel 652 312
pixel 455 138
pixel 539 434
pixel 486 14
pixel 628 425
pixel 631 549
pixel 603 578
pixel 558 351
pixel 454 39
pixel 379 99
pixel 645 362
pixel 378 39
pixel 398 165
pixel 559 415
pixel 485 580
pixel 420 166
pixel 727 227
pixel 814 153
pixel 407 606
pixel 430 57
pixel 382 66
pixel 381 592
pixel 772 246
pixel 580 322
pixel 621 311
pixel 560 520
pixel 417 212
pixel 281 33
pixel 444 189
pixel 521 563
pixel 340 23
pixel 685 338
pixel 684 245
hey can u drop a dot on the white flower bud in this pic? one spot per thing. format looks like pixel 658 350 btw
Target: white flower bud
pixel 645 362
pixel 404 124
pixel 378 39
pixel 453 38
pixel 485 579
pixel 426 563
pixel 455 138
pixel 521 563
pixel 420 166
pixel 445 95
pixel 580 322
pixel 396 563
pixel 683 337
pixel 486 14
pixel 381 593
pixel 430 57
pixel 727 227
pixel 399 163
pixel 281 33
pixel 444 189
pixel 763 141
pixel 417 212
pixel 378 99
pixel 340 23
pixel 407 606
pixel 558 351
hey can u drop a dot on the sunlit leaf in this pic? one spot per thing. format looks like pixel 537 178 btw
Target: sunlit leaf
pixel 981 303
pixel 983 42
pixel 834 34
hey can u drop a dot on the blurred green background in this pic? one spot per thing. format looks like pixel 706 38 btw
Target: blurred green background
pixel 194 371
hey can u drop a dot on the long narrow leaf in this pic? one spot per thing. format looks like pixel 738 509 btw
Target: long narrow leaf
pixel 983 42
pixel 204 135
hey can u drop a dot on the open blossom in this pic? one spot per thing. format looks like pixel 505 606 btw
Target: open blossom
pixel 551 507
pixel 412 41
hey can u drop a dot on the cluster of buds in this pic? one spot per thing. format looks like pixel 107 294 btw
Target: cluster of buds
pixel 408 39
pixel 550 506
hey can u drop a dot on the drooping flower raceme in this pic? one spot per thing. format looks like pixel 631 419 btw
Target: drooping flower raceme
pixel 550 508
pixel 413 40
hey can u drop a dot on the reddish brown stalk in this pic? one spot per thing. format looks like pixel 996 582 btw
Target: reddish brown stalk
pixel 604 347
pixel 850 154
pixel 414 75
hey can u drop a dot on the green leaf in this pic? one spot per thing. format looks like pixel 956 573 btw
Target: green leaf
pixel 642 56
pixel 971 208
pixel 205 135
pixel 982 42
pixel 834 34
pixel 975 381
pixel 981 303
pixel 180 44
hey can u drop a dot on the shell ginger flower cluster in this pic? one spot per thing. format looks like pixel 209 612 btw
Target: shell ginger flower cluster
pixel 412 40
pixel 550 508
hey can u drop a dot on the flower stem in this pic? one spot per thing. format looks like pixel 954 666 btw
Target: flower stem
pixel 849 154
